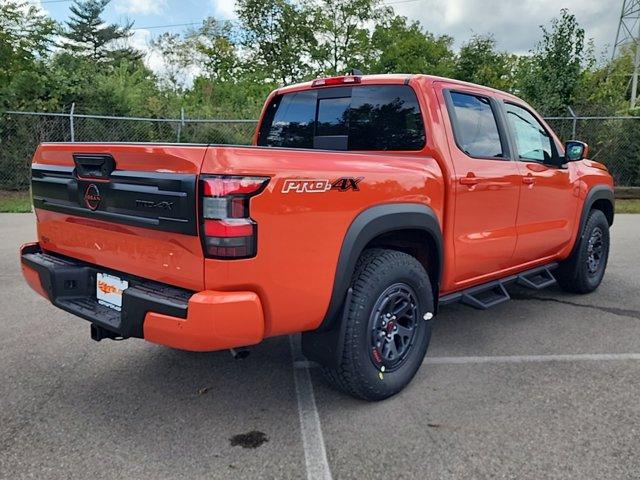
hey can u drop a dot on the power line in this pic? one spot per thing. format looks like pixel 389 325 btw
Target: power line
pixel 403 1
pixel 178 25
pixel 167 26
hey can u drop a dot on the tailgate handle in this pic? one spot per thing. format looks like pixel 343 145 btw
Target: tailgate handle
pixel 92 166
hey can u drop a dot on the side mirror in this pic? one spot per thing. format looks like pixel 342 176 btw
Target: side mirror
pixel 574 151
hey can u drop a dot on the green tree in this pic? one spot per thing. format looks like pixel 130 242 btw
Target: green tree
pixel 209 50
pixel 276 36
pixel 125 88
pixel 400 46
pixel 605 90
pixel 88 35
pixel 551 76
pixel 26 36
pixel 217 52
pixel 242 98
pixel 342 33
pixel 177 60
pixel 97 70
pixel 479 62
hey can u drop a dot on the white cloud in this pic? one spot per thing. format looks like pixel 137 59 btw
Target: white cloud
pixel 140 41
pixel 514 24
pixel 143 7
pixel 225 8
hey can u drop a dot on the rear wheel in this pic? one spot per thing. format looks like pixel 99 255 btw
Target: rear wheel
pixel 584 270
pixel 388 325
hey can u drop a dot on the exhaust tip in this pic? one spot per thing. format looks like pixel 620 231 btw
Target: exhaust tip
pixel 240 353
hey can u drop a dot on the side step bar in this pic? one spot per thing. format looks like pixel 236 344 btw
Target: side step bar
pixel 485 296
pixel 495 292
pixel 537 279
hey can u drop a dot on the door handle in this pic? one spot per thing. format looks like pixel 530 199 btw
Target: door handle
pixel 470 180
pixel 529 180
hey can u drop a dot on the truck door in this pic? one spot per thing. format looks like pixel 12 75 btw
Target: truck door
pixel 548 199
pixel 487 186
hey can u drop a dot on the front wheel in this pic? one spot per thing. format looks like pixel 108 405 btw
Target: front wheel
pixel 388 325
pixel 584 270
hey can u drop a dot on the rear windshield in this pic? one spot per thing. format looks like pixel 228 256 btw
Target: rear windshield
pixel 378 117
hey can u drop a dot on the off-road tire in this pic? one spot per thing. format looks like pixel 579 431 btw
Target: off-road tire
pixel 378 271
pixel 576 274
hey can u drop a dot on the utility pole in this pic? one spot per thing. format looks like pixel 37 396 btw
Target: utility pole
pixel 629 34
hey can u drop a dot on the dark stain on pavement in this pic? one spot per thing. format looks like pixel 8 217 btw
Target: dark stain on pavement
pixel 622 312
pixel 252 439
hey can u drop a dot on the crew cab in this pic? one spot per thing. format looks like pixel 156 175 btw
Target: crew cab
pixel 364 205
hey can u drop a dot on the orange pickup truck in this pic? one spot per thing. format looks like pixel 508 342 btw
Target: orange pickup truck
pixel 364 204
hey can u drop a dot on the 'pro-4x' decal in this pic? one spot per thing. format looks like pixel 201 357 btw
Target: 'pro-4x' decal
pixel 343 184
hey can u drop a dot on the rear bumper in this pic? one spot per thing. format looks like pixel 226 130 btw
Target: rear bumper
pixel 159 313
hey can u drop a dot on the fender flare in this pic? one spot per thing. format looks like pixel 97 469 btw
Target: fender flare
pixel 598 192
pixel 368 225
pixel 324 344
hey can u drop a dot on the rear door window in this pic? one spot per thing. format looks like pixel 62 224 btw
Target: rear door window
pixel 377 117
pixel 475 126
pixel 385 118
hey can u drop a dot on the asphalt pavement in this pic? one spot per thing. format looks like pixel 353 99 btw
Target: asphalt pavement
pixel 544 386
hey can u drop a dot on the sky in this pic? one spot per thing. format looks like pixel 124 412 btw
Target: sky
pixel 515 24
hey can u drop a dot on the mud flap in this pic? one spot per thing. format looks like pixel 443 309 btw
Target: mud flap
pixel 326 347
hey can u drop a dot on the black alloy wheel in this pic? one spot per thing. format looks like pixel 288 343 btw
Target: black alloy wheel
pixel 394 321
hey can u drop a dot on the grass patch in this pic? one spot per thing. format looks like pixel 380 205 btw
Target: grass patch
pixel 627 206
pixel 15 202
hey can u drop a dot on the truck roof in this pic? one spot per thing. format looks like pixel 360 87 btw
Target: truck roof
pixel 396 78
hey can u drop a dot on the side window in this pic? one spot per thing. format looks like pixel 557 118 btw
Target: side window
pixel 292 119
pixel 475 126
pixel 532 140
pixel 385 117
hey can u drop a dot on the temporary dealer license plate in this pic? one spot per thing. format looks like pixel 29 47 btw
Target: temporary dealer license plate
pixel 109 290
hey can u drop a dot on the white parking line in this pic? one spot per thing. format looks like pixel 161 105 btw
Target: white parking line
pixel 587 357
pixel 315 454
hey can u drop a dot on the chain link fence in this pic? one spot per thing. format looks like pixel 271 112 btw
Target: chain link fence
pixel 21 132
pixel 614 141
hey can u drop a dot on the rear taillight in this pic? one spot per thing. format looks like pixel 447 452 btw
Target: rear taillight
pixel 227 228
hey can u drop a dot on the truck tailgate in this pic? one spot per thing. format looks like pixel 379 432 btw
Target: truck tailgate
pixel 125 207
